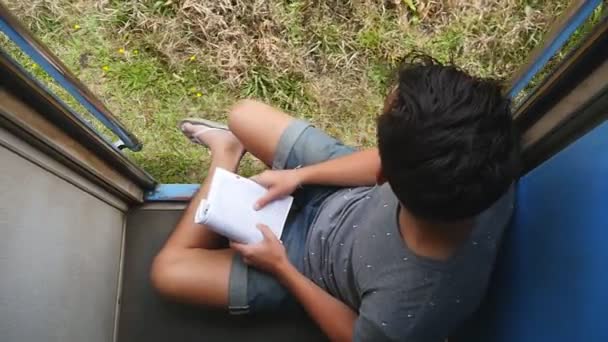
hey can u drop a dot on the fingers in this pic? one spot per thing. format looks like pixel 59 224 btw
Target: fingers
pixel 267 232
pixel 241 248
pixel 246 251
pixel 271 195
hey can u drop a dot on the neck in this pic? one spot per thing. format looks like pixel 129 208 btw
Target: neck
pixel 434 240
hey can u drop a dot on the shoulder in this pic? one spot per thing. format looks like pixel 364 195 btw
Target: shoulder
pixel 396 309
pixel 400 326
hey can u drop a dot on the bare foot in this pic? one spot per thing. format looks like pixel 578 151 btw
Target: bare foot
pixel 219 141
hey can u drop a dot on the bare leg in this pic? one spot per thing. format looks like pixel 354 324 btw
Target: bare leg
pixel 192 266
pixel 189 267
pixel 258 127
pixel 226 152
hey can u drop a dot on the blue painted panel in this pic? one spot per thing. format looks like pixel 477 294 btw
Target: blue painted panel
pixel 551 281
pixel 172 193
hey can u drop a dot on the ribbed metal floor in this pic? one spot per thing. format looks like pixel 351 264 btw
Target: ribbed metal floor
pixel 146 317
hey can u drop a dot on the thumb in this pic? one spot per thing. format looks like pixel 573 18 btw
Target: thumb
pixel 262 179
pixel 256 179
pixel 239 247
pixel 268 197
pixel 266 231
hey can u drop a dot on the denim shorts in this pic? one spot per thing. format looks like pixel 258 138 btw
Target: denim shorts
pixel 254 291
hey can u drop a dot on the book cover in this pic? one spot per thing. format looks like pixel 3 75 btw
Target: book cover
pixel 228 209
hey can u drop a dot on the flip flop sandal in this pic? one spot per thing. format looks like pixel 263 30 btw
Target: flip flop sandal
pixel 208 125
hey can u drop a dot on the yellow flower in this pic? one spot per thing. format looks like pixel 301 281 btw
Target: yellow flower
pixel 199 94
pixel 121 51
pixel 135 52
pixel 106 68
pixel 76 27
pixel 192 58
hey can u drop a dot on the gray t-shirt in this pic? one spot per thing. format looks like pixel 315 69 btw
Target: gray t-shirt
pixel 357 254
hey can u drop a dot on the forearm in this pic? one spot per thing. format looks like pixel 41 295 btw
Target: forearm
pixel 357 169
pixel 334 318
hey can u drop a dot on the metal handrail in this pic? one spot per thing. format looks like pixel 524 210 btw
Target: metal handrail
pixel 576 15
pixel 23 85
pixel 11 26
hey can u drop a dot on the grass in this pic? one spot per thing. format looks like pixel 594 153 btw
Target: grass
pixel 330 62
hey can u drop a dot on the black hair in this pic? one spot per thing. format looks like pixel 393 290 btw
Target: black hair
pixel 447 141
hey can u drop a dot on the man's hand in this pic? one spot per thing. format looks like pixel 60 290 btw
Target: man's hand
pixel 280 183
pixel 335 318
pixel 268 255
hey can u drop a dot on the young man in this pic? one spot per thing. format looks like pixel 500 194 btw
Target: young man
pixel 389 244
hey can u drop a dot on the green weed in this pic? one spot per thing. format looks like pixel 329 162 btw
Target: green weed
pixel 154 62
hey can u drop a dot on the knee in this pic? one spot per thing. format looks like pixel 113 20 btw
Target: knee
pixel 162 274
pixel 239 113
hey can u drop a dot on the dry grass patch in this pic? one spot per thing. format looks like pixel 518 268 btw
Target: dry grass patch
pixel 327 61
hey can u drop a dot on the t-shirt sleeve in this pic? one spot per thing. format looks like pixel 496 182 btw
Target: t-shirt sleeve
pixel 367 330
pixel 382 318
pixel 369 327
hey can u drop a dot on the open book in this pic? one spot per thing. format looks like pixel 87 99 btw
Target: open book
pixel 228 209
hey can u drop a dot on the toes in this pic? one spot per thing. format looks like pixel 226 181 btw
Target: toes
pixel 187 128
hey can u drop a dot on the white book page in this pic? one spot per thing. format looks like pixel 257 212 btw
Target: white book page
pixel 229 211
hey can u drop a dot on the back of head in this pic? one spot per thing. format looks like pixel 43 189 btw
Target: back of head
pixel 447 142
